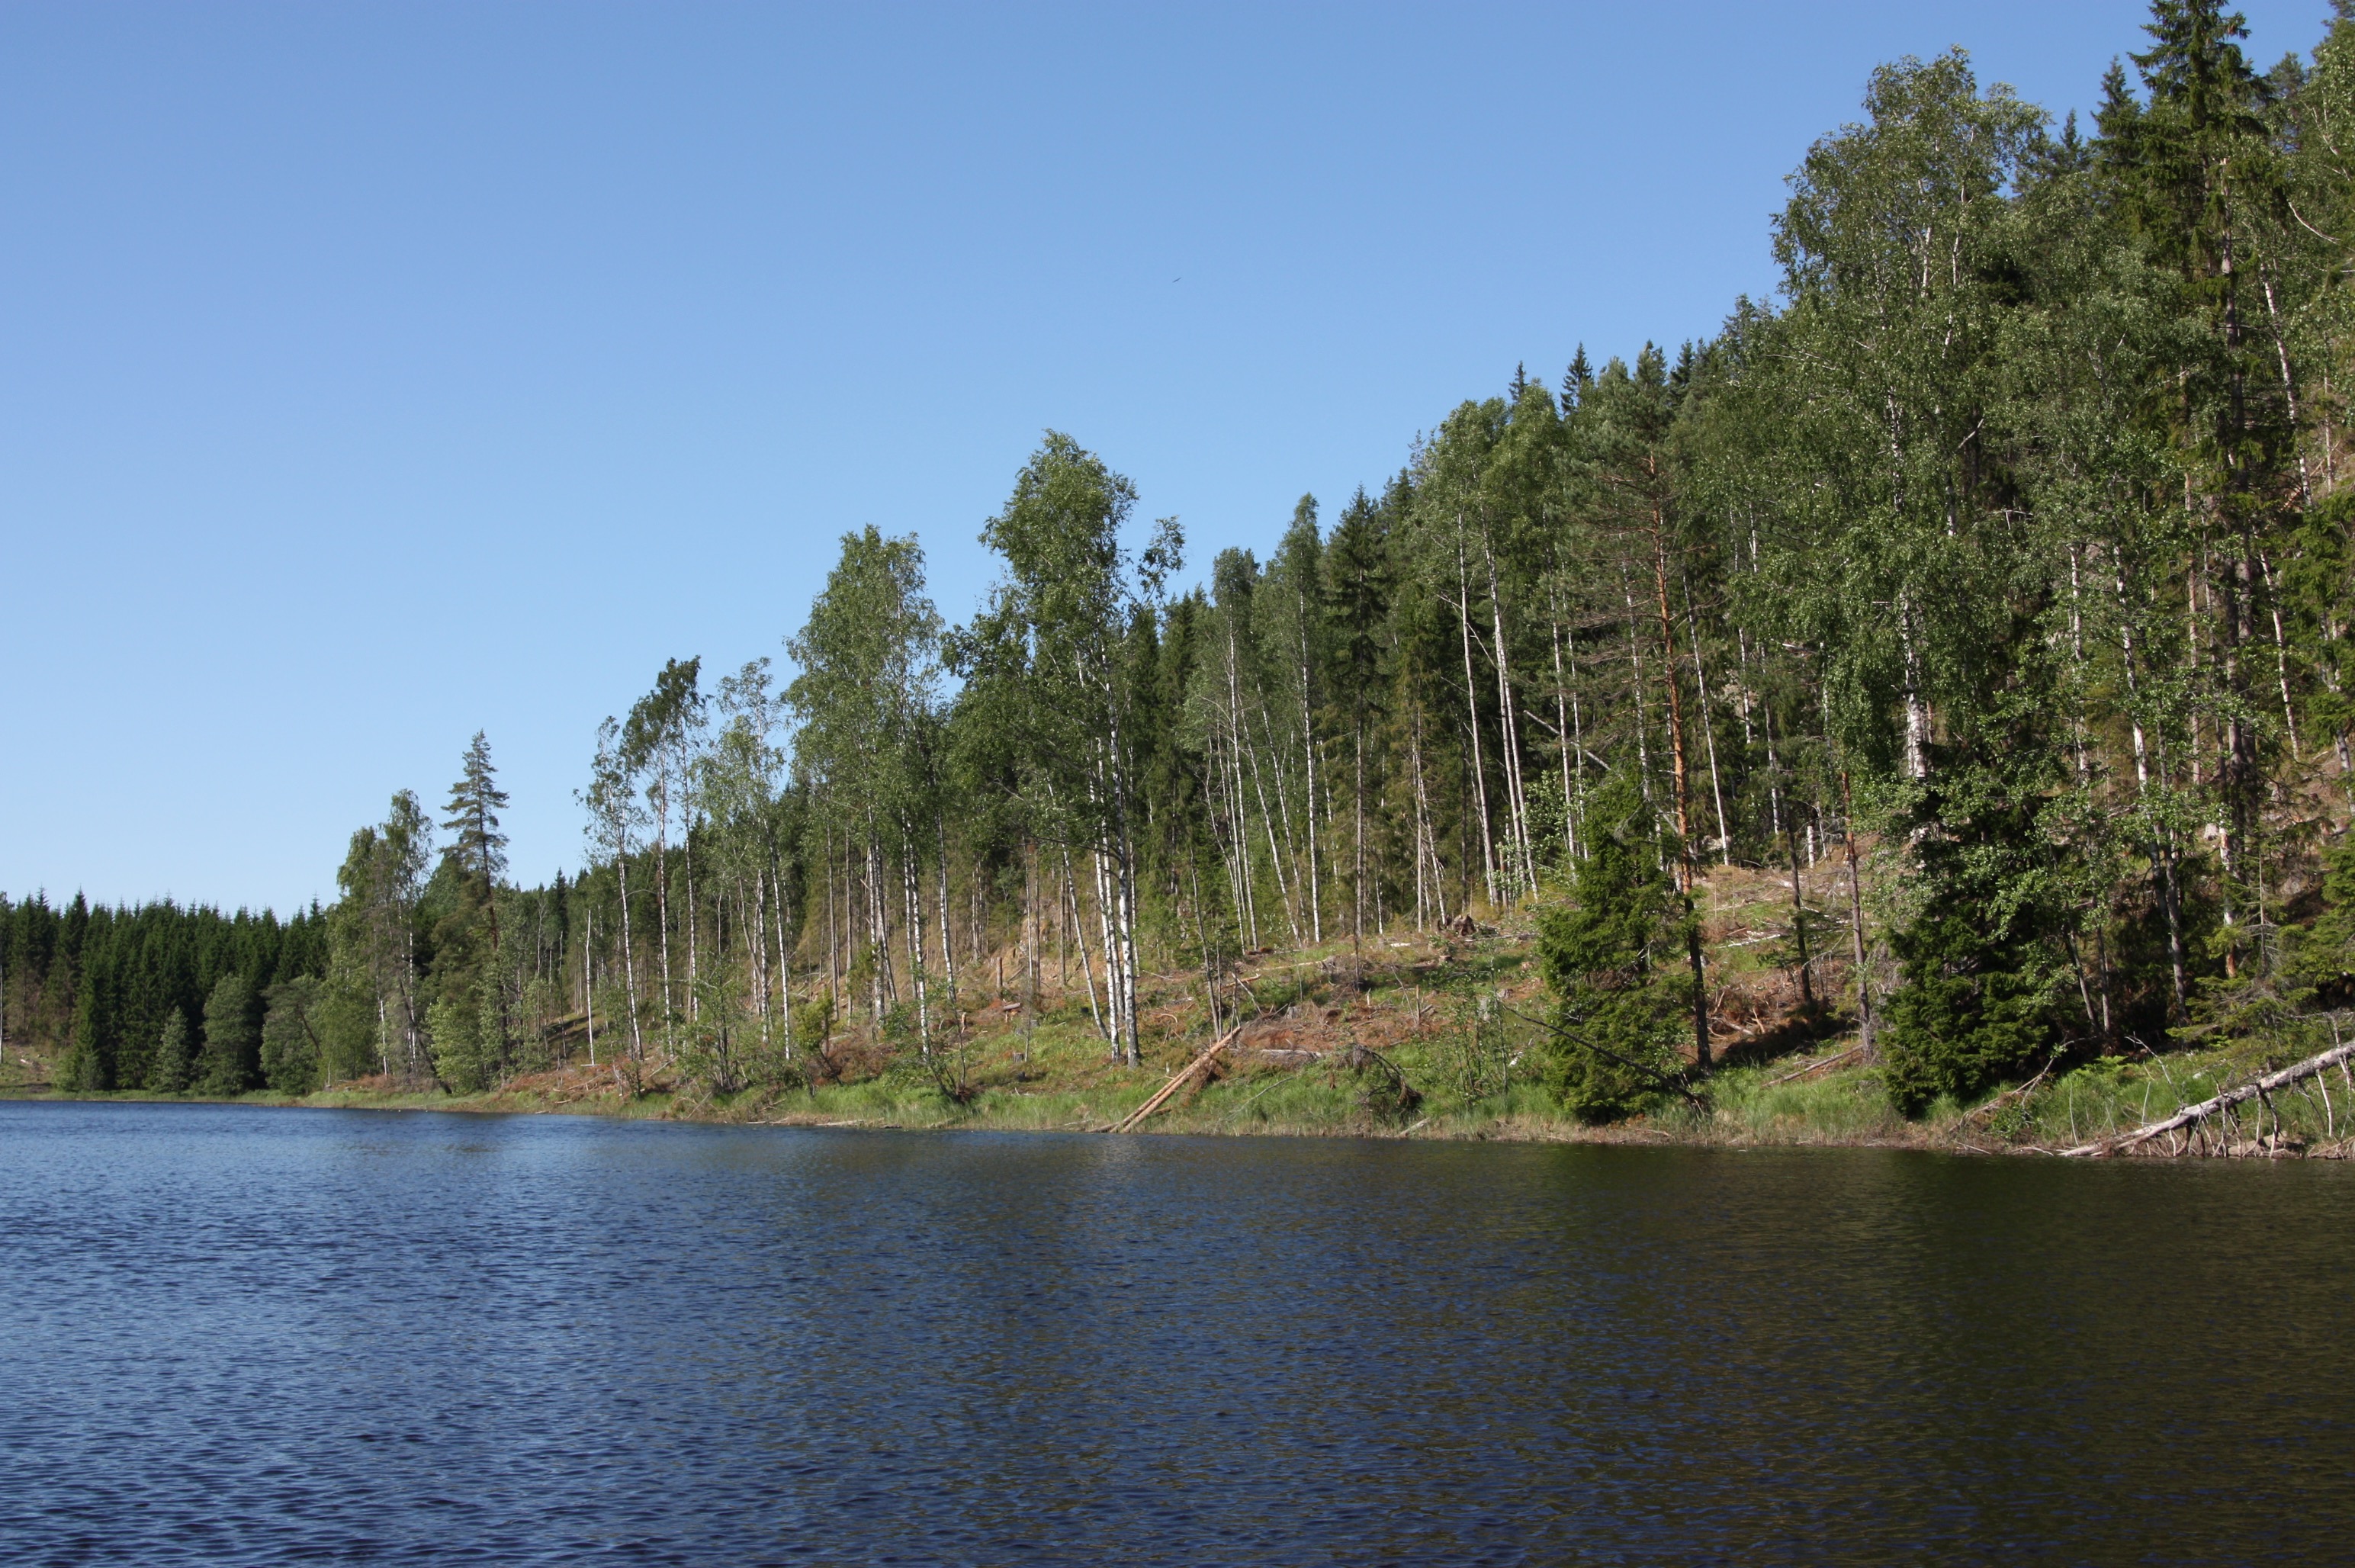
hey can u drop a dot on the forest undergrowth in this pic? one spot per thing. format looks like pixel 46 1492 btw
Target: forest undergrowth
pixel 1442 1035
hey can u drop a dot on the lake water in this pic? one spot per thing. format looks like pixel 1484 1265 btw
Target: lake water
pixel 242 1336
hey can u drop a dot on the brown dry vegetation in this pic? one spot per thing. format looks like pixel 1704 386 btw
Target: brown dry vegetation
pixel 1429 1035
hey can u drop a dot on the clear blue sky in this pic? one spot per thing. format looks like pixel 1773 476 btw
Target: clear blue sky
pixel 371 375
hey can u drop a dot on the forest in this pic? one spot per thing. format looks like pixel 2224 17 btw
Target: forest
pixel 1987 591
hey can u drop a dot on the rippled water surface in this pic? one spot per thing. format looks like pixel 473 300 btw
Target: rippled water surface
pixel 243 1336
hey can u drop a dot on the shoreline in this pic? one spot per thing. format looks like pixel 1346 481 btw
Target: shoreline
pixel 1438 1044
pixel 1520 1117
pixel 1838 1109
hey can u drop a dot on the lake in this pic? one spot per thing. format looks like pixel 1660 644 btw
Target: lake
pixel 236 1335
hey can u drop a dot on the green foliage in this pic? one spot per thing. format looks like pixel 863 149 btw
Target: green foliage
pixel 2319 961
pixel 174 1066
pixel 88 1067
pixel 291 1049
pixel 1614 958
pixel 465 1045
pixel 231 1060
pixel 1473 1060
pixel 91 989
pixel 1980 1001
pixel 1971 1014
pixel 813 1022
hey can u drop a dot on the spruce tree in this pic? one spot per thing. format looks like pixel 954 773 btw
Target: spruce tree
pixel 290 1040
pixel 469 933
pixel 174 1062
pixel 1615 958
pixel 233 1045
pixel 86 1069
pixel 1985 973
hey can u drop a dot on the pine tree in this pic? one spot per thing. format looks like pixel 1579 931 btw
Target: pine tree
pixel 472 959
pixel 479 848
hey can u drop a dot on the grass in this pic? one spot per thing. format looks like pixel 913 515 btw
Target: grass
pixel 1425 1039
pixel 1743 1105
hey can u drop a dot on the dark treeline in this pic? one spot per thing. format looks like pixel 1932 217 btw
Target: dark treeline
pixel 176 997
pixel 2001 562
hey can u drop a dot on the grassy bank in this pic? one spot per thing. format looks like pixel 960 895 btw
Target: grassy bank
pixel 1781 1103
pixel 1435 1037
pixel 1740 1107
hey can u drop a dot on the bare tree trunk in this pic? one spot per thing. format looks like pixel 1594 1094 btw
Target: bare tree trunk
pixel 2310 1067
pixel 1567 729
pixel 1121 958
pixel 833 925
pixel 1636 659
pixel 1275 850
pixel 589 985
pixel 785 919
pixel 1856 921
pixel 1471 715
pixel 2162 848
pixel 629 970
pixel 1708 729
pixel 1917 716
pixel 1232 832
pixel 911 892
pixel 1244 752
pixel 752 916
pixel 1358 836
pixel 948 957
pixel 1800 928
pixel 1426 838
pixel 662 910
pixel 1308 754
pixel 1517 799
pixel 1072 920
pixel 2281 653
pixel 686 853
pixel 1030 881
pixel 882 991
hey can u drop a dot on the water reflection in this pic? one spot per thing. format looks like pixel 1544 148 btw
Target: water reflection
pixel 241 1336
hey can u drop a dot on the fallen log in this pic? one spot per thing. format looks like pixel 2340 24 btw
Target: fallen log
pixel 2208 1107
pixel 1813 1066
pixel 1130 1123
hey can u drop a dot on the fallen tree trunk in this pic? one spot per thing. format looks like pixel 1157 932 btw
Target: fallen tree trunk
pixel 1134 1118
pixel 2208 1107
pixel 1813 1066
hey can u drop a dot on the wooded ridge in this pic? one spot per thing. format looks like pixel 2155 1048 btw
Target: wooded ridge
pixel 1982 598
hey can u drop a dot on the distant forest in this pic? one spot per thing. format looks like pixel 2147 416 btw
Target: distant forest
pixel 2003 559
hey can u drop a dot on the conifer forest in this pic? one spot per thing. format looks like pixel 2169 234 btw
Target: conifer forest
pixel 1977 608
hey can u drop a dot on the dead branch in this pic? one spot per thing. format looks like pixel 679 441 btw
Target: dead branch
pixel 1812 1067
pixel 2021 1091
pixel 1677 1082
pixel 2189 1114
